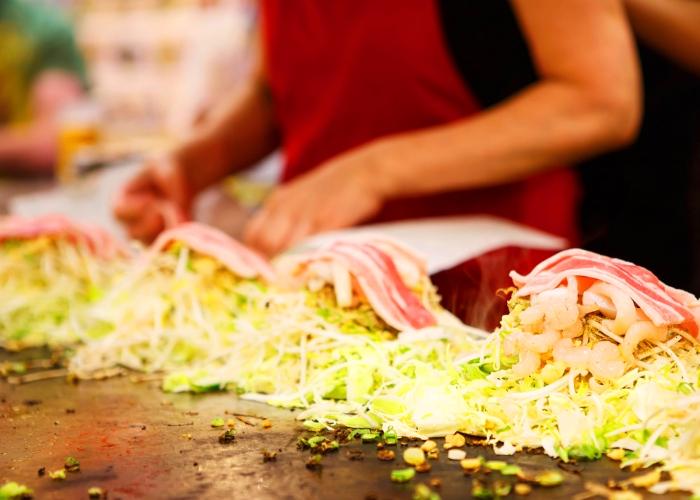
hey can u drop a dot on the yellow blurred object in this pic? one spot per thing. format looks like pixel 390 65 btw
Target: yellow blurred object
pixel 79 130
pixel 71 140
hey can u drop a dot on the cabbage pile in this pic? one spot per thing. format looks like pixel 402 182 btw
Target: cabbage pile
pixel 46 285
pixel 185 315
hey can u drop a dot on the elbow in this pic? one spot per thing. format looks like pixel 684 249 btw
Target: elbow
pixel 617 118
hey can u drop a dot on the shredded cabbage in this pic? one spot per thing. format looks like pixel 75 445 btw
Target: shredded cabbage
pixel 46 284
pixel 433 383
pixel 185 315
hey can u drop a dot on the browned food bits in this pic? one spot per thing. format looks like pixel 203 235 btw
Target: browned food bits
pixel 454 441
pixel 423 467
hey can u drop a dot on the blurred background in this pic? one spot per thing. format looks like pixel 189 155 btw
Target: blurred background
pixel 150 70
pixel 154 67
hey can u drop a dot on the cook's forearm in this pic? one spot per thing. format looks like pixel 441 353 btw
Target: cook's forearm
pixel 551 123
pixel 241 134
pixel 670 26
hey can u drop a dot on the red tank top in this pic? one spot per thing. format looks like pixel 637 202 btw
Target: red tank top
pixel 345 72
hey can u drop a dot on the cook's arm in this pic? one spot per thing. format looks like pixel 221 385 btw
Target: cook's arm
pixel 588 100
pixel 670 26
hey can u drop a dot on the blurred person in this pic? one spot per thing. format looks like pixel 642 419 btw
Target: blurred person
pixel 410 109
pixel 41 72
pixel 215 59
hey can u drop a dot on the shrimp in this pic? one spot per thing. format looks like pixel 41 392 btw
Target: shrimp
pixel 639 332
pixel 623 309
pixel 511 343
pixel 559 306
pixel 538 342
pixel 532 318
pixel 575 330
pixel 571 355
pixel 528 364
pixel 606 361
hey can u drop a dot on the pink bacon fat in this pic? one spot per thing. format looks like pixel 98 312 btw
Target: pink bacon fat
pixel 378 278
pixel 237 258
pixel 664 305
pixel 94 238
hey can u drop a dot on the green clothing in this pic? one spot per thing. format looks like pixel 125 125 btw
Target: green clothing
pixel 33 38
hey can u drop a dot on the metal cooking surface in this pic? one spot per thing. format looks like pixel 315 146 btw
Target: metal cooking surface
pixel 131 440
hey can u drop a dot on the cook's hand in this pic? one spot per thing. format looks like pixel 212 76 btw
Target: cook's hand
pixel 340 193
pixel 158 197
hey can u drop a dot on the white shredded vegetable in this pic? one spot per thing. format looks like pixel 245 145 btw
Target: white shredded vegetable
pixel 188 317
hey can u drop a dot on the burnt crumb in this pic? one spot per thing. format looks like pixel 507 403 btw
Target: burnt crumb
pixel 143 427
pixel 70 411
pixel 475 440
pixel 41 472
pixel 355 454
pixel 342 434
pixel 371 496
pixel 424 467
pixel 314 463
pixel 269 456
pixel 97 493
pixel 228 437
pixel 435 482
pixel 31 402
pixel 195 464
pixel 72 464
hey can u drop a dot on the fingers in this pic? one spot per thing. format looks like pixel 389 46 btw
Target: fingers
pixel 171 183
pixel 128 204
pixel 267 232
pixel 171 213
pixel 147 227
pixel 276 227
pixel 129 207
pixel 140 216
pixel 155 198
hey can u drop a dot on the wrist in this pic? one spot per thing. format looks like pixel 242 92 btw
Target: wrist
pixel 197 162
pixel 382 169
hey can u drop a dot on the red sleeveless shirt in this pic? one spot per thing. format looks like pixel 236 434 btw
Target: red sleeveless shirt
pixel 345 72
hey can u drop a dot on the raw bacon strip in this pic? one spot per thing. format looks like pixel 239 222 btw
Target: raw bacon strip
pixel 663 305
pixel 237 258
pixel 412 267
pixel 378 279
pixel 96 239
